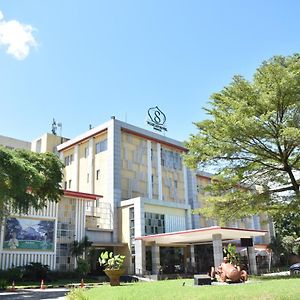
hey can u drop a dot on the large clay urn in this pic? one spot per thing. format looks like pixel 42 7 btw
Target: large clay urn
pixel 114 276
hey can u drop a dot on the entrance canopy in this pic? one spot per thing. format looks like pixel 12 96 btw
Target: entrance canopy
pixel 201 235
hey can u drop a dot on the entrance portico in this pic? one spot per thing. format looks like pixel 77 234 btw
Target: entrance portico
pixel 215 235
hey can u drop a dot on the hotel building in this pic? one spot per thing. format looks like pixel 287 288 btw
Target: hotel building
pixel 128 191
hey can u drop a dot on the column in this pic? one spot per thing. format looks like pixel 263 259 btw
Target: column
pixel 186 191
pixel 193 261
pixel 218 249
pixel 114 173
pixel 139 228
pixel 149 170
pixel 76 168
pixel 252 259
pixel 90 167
pixel 140 257
pixel 159 172
pixel 188 218
pixel 155 259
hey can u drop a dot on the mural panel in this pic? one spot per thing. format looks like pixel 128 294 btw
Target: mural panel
pixel 29 234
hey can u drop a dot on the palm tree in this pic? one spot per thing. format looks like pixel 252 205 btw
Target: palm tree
pixel 80 248
pixel 77 249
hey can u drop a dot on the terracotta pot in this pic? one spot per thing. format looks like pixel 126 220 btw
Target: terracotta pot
pixel 114 276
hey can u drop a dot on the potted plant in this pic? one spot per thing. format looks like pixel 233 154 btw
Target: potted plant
pixel 113 266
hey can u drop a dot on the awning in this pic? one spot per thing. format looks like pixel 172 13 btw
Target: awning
pixel 201 235
pixel 104 245
pixel 86 196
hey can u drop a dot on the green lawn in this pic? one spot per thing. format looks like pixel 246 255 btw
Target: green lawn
pixel 175 289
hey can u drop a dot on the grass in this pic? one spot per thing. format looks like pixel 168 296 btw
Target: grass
pixel 175 290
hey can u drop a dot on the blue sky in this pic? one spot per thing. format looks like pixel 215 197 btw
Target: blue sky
pixel 89 60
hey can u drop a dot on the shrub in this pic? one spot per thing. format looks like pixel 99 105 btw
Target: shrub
pixel 3 284
pixel 56 275
pixel 77 294
pixel 13 274
pixel 231 254
pixel 83 267
pixel 36 271
pixel 111 261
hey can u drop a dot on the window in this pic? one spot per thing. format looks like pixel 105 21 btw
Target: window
pixel 97 174
pixel 154 223
pixel 70 183
pixel 88 178
pixel 66 185
pixel 86 152
pixel 69 159
pixel 131 229
pixel 101 146
pixel 171 160
pixel 175 184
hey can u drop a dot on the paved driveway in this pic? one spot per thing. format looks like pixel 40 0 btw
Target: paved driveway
pixel 35 294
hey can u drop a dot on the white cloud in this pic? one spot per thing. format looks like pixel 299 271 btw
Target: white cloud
pixel 16 37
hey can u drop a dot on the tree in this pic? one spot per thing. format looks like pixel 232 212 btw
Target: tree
pixel 251 140
pixel 28 179
pixel 288 224
pixel 77 249
pixel 80 247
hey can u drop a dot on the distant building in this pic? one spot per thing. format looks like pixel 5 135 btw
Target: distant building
pixel 12 143
pixel 127 189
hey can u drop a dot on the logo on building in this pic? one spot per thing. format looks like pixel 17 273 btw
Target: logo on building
pixel 156 119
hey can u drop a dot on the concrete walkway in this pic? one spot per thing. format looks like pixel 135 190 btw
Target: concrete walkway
pixel 35 294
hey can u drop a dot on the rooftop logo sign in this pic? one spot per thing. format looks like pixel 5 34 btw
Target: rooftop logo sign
pixel 156 119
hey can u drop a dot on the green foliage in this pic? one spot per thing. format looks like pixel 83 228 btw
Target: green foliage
pixel 31 272
pixel 252 142
pixel 3 284
pixel 283 248
pixel 231 254
pixel 83 267
pixel 28 179
pixel 276 246
pixel 36 272
pixel 78 248
pixel 77 294
pixel 287 223
pixel 13 274
pixel 111 261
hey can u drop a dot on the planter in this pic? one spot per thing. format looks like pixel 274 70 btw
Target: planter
pixel 114 276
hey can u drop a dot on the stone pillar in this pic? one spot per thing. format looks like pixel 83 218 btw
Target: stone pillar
pixel 140 257
pixel 76 168
pixel 193 261
pixel 155 259
pixel 149 171
pixel 159 172
pixel 218 249
pixel 252 260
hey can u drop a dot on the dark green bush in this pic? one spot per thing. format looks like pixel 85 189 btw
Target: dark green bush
pixel 3 284
pixel 83 267
pixel 12 274
pixel 36 272
pixel 57 275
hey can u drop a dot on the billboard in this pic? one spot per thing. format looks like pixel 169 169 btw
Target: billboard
pixel 29 234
